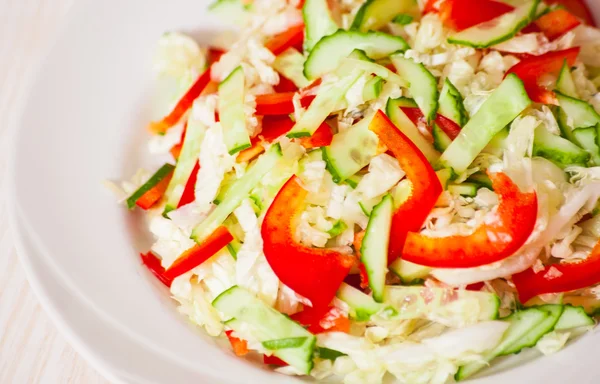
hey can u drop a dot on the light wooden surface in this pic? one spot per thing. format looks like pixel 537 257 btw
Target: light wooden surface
pixel 31 350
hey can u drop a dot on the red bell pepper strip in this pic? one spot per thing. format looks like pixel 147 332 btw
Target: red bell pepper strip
pixel 199 253
pixel 313 273
pixel 153 264
pixel 578 8
pixel 556 23
pixel 293 37
pixel 357 243
pixel 274 360
pixel 176 149
pixel 531 69
pixel 151 197
pixel 463 14
pixel 214 55
pixel 559 278
pixel 189 192
pixel 279 103
pixel 494 240
pixel 273 126
pixel 449 127
pixel 183 105
pixel 318 322
pixel 475 286
pixel 246 155
pixel 285 85
pixel 152 190
pixel 240 347
pixel 431 6
pixel 321 138
pixel 426 187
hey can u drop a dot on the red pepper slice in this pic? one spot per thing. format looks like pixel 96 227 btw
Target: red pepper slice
pixel 563 278
pixel 248 154
pixel 240 347
pixel 531 69
pixel 293 37
pixel 493 241
pixel 431 6
pixel 183 105
pixel 285 85
pixel 556 23
pixel 153 195
pixel 333 320
pixel 463 14
pixel 279 103
pixel 449 127
pixel 274 360
pixel 578 8
pixel 426 187
pixel 313 273
pixel 321 138
pixel 357 244
pixel 273 126
pixel 199 253
pixel 189 192
pixel 176 149
pixel 214 54
pixel 153 264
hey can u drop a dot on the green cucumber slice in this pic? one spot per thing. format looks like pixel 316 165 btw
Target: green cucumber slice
pixel 234 247
pixel 566 130
pixel 521 323
pixel 481 180
pixel 581 113
pixel 267 325
pixel 416 302
pixel 405 125
pixel 403 19
pixel 239 190
pixel 531 338
pixel 374 249
pixel 451 104
pixel 441 141
pixel 231 111
pixel 323 105
pixel 555 148
pixel 362 306
pixel 290 64
pixel 328 354
pixel 573 317
pixel 464 189
pixel 375 14
pixel 423 85
pixel 588 139
pixel 158 176
pixel 501 107
pixel 565 83
pixel 353 181
pixel 190 151
pixel 351 150
pixel 409 273
pixel 337 228
pixel 498 30
pixel 289 342
pixel 446 175
pixel 498 143
pixel 373 88
pixel 318 22
pixel 330 50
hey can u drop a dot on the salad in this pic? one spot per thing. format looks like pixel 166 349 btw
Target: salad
pixel 353 189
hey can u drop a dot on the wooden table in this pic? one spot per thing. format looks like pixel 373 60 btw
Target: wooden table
pixel 31 350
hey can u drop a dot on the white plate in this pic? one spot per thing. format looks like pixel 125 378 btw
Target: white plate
pixel 85 121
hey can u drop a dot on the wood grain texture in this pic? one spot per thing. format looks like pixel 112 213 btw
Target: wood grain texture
pixel 31 350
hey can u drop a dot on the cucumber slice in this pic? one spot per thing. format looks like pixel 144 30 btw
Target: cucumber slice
pixel 375 14
pixel 497 144
pixel 498 30
pixel 353 181
pixel 233 12
pixel 559 150
pixel 581 113
pixel 573 317
pixel 374 249
pixel 351 150
pixel 337 228
pixel 403 19
pixel 588 139
pixel 328 354
pixel 409 273
pixel 330 50
pixel 362 306
pixel 423 85
pixel 566 130
pixel 289 342
pixel 290 64
pixel 322 106
pixel 531 338
pixel 318 22
pixel 231 111
pixel 481 180
pixel 371 67
pixel 234 247
pixel 158 176
pixel 403 123
pixel 446 175
pixel 451 104
pixel 367 205
pixel 521 323
pixel 192 142
pixel 239 190
pixel 266 324
pixel 464 189
pixel 373 88
pixel 565 83
pixel 501 107
pixel 431 303
pixel 441 141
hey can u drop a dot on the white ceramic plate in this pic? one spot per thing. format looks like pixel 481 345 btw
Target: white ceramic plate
pixel 85 121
